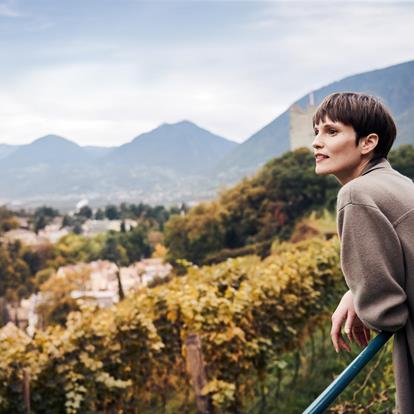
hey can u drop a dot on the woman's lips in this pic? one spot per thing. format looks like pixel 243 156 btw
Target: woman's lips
pixel 320 157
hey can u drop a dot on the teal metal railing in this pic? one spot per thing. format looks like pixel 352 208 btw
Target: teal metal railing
pixel 350 372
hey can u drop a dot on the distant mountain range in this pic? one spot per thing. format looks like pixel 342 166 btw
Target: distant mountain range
pixel 174 162
pixel 168 164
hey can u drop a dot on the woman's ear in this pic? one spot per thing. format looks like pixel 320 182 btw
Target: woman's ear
pixel 368 143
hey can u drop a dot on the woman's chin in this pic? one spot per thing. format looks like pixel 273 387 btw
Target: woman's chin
pixel 319 170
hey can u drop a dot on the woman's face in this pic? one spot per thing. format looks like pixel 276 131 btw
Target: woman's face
pixel 336 151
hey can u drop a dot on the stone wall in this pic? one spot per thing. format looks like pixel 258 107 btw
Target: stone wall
pixel 301 131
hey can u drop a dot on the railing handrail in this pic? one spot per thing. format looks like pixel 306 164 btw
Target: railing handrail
pixel 348 374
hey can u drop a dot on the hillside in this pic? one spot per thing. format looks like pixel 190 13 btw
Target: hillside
pixel 253 212
pixel 405 126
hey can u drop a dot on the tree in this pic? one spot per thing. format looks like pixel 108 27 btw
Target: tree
pixel 39 222
pixel 85 212
pixel 46 211
pixel 196 235
pixel 15 275
pixel 77 228
pixel 136 244
pixel 99 215
pixel 402 159
pixel 111 212
pixel 8 220
pixel 43 216
pixel 57 293
pixel 74 248
pixel 37 258
pixel 67 221
pixel 42 276
pixel 116 253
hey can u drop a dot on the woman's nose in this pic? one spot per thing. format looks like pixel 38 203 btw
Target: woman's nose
pixel 317 143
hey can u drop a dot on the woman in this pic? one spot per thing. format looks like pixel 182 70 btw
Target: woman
pixel 353 135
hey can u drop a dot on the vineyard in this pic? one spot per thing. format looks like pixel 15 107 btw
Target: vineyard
pixel 131 358
pixel 257 308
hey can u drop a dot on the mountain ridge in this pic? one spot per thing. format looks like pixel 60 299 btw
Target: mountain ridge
pixel 183 147
pixel 177 162
pixel 50 149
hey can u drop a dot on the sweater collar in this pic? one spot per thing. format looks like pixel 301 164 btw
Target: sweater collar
pixel 376 164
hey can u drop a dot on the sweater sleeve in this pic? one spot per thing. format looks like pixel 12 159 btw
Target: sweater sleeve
pixel 372 261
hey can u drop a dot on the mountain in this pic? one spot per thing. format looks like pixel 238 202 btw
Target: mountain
pixel 175 162
pixel 183 148
pixel 7 149
pixel 48 150
pixel 166 165
pixel 270 141
pixel 394 84
pixel 405 127
pixel 98 152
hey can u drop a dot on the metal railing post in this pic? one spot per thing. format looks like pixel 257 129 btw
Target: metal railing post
pixel 348 374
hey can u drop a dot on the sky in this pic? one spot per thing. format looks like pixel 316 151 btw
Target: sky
pixel 101 72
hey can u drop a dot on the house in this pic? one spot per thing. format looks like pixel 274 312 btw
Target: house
pixel 53 232
pixel 26 237
pixel 24 315
pixel 104 299
pixel 149 269
pixel 102 276
pixel 93 227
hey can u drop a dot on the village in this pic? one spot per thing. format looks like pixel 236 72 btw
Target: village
pixel 100 282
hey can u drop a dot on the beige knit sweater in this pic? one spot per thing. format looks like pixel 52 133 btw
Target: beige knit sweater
pixel 376 228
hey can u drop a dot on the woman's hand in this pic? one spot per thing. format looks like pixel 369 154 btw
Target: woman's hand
pixel 354 328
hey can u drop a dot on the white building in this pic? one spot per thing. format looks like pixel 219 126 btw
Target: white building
pixel 93 227
pixel 27 237
pixel 149 269
pixel 98 284
pixel 53 232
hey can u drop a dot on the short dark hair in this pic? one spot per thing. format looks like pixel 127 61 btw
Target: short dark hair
pixel 365 113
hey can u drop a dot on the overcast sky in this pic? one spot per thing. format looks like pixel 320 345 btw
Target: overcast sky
pixel 100 72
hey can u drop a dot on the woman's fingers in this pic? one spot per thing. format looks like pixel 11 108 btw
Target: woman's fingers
pixel 337 321
pixel 354 329
pixel 359 335
pixel 343 344
pixel 349 325
pixel 367 333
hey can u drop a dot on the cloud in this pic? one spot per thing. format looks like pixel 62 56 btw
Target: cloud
pixel 106 90
pixel 103 105
pixel 7 10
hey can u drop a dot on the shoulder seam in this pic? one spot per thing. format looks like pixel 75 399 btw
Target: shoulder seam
pixel 359 204
pixel 398 221
pixel 402 218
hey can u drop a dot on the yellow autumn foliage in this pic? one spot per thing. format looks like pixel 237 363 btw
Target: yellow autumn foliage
pixel 131 357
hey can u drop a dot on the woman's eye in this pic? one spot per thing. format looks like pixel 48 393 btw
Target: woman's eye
pixel 316 132
pixel 332 131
